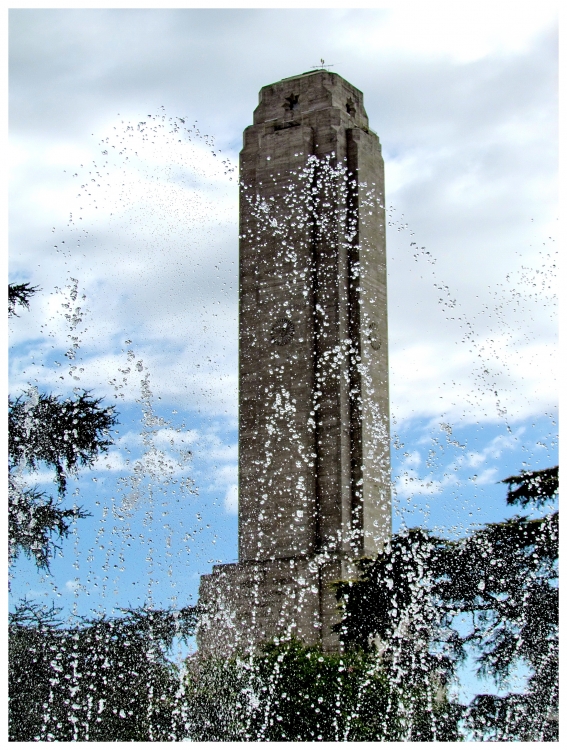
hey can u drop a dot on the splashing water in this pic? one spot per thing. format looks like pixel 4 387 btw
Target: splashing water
pixel 110 664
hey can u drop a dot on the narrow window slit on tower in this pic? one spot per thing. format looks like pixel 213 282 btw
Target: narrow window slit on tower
pixel 350 108
pixel 285 125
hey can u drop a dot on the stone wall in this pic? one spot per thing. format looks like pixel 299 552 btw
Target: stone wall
pixel 314 467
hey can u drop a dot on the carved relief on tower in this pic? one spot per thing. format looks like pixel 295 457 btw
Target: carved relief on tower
pixel 372 335
pixel 282 331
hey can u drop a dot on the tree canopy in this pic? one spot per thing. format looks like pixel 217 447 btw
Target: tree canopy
pixel 61 433
pixel 102 679
pixel 426 603
pixel 20 294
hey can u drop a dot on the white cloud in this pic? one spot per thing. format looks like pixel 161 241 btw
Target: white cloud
pixel 112 461
pixel 460 32
pixel 180 439
pixel 409 483
pixel 412 459
pixel 464 104
pixel 494 450
pixel 455 473
pixel 488 476
pixel 231 499
pixel 43 476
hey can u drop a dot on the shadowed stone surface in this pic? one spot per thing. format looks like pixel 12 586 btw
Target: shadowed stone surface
pixel 314 464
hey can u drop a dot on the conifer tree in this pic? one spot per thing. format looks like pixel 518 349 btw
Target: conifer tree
pixel 407 603
pixel 62 434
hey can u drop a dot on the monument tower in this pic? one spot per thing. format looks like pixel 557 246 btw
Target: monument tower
pixel 314 465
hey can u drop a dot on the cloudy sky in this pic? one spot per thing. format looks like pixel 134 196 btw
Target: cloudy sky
pixel 125 128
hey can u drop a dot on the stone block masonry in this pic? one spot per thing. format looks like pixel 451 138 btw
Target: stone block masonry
pixel 314 462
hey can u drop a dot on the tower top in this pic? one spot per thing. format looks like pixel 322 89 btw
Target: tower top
pixel 296 96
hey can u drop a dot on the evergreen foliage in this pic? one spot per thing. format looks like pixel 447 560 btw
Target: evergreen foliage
pixel 533 487
pixel 60 433
pixel 426 602
pixel 105 679
pixel 20 294
pixel 292 692
pixel 34 519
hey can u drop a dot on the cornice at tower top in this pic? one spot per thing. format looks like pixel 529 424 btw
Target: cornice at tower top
pixel 307 93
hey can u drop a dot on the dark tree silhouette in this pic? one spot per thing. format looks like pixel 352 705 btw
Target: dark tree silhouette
pixel 535 487
pixel 20 294
pixel 503 579
pixel 63 434
pixel 102 680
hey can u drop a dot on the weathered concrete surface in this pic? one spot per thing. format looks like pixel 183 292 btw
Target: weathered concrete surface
pixel 314 465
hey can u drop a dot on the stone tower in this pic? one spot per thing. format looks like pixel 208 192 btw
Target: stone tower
pixel 314 465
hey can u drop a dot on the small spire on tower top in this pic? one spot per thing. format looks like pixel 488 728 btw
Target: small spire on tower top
pixel 323 65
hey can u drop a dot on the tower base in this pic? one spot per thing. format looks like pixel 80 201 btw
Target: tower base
pixel 249 603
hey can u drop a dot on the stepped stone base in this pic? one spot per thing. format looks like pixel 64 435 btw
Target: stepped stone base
pixel 249 603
